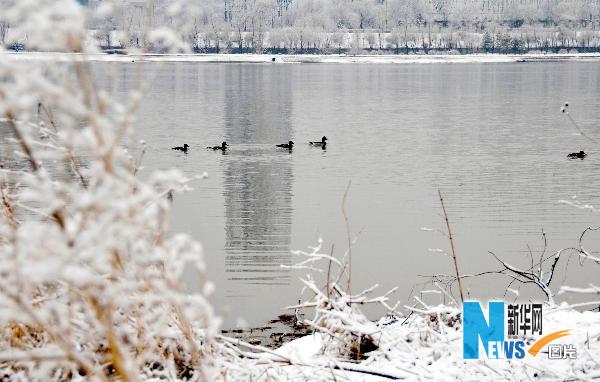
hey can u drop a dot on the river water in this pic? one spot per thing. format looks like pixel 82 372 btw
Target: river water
pixel 490 136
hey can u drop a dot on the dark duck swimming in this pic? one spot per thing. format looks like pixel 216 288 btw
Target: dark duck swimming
pixel 223 147
pixel 579 155
pixel 183 148
pixel 288 145
pixel 321 143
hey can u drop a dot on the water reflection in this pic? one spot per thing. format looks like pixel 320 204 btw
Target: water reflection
pixel 258 178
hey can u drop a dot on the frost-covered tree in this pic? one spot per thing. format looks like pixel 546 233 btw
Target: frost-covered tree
pixel 487 42
pixel 426 23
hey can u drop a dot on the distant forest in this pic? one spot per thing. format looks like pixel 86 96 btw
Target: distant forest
pixel 353 26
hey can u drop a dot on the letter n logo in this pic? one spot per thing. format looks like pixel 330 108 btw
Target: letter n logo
pixel 475 326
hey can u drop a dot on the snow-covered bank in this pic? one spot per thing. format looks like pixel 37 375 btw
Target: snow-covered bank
pixel 338 59
pixel 428 346
pixel 428 343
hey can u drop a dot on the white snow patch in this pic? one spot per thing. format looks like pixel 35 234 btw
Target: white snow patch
pixel 299 58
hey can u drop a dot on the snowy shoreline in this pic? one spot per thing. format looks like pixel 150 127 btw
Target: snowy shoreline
pixel 429 346
pixel 299 58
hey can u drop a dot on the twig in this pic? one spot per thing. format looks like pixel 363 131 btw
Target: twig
pixel 349 288
pixel 543 253
pixel 68 147
pixel 21 139
pixel 56 215
pixel 10 215
pixel 329 271
pixel 460 289
pixel 566 111
pixel 583 252
pixel 114 355
pixel 525 277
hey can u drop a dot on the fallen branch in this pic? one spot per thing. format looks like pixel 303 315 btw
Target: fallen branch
pixel 269 355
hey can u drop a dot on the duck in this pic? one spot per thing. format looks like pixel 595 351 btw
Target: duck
pixel 222 147
pixel 179 148
pixel 322 143
pixel 579 155
pixel 288 145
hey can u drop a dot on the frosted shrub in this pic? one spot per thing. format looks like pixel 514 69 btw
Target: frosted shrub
pixel 88 269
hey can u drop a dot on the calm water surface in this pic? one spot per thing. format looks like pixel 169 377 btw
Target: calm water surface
pixel 490 136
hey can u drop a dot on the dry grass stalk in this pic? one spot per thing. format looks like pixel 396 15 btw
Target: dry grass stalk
pixel 329 272
pixel 10 215
pixel 349 287
pixel 115 357
pixel 450 237
pixel 10 119
pixel 56 215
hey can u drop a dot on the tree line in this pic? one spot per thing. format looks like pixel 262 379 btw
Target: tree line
pixel 355 26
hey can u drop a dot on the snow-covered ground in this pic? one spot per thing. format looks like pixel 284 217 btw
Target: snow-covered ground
pixel 265 58
pixel 427 343
pixel 421 349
